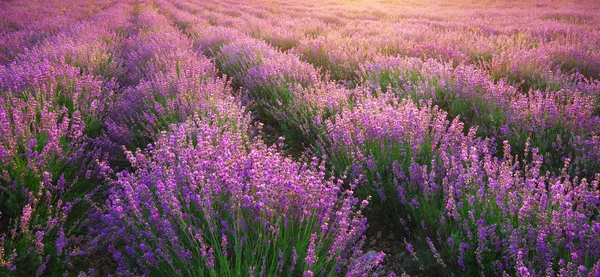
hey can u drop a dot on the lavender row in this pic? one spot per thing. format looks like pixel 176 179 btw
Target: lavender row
pixel 219 221
pixel 327 227
pixel 54 101
pixel 478 213
pixel 561 124
pixel 197 203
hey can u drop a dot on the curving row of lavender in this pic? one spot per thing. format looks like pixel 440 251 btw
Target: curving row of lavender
pixel 253 138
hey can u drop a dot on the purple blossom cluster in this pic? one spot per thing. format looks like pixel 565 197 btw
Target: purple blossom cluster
pixel 441 177
pixel 200 195
pixel 164 82
pixel 562 124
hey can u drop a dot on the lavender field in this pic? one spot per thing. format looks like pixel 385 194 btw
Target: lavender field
pixel 299 138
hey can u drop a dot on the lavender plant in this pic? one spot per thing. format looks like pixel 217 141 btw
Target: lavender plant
pixel 446 185
pixel 46 159
pixel 202 201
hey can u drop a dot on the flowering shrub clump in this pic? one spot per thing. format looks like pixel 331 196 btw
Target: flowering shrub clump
pixel 202 201
pixel 47 113
pixel 500 216
pixel 558 122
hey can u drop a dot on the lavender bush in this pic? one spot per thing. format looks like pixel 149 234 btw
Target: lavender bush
pixel 48 111
pixel 202 201
pixel 489 214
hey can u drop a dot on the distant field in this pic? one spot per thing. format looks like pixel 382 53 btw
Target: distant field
pixel 299 138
